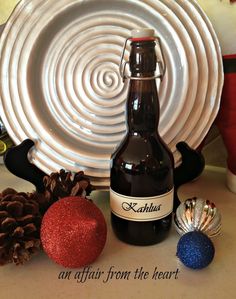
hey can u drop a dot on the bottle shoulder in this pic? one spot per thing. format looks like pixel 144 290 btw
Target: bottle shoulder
pixel 142 167
pixel 136 147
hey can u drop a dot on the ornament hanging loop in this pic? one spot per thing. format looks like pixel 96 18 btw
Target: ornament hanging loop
pixel 161 63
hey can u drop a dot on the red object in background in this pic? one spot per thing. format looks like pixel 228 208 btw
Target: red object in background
pixel 226 119
pixel 73 232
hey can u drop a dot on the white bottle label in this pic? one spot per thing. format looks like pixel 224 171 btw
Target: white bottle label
pixel 141 208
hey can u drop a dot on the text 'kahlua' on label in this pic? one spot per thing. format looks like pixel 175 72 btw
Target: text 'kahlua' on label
pixel 141 208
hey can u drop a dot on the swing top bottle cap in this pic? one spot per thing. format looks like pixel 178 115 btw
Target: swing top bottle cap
pixel 142 34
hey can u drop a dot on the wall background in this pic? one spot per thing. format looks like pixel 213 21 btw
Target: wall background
pixel 222 14
pixel 6 6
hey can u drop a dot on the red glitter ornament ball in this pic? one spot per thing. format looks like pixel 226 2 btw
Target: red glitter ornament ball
pixel 73 232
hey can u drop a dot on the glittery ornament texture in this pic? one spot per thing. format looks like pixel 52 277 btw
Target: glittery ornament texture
pixel 73 232
pixel 195 250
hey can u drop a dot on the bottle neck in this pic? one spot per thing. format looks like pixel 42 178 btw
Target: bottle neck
pixel 142 59
pixel 143 107
pixel 143 103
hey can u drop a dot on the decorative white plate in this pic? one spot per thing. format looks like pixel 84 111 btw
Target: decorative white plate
pixel 60 83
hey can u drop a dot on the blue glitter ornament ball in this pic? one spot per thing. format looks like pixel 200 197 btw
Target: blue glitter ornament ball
pixel 195 250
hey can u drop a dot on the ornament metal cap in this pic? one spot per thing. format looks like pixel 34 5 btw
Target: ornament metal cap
pixel 196 214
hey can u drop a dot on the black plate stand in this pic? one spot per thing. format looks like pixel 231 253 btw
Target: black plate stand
pixel 16 161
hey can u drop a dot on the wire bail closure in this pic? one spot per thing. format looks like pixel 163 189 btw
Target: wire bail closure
pixel 161 63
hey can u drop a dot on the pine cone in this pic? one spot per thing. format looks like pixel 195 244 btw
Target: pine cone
pixel 19 227
pixel 62 184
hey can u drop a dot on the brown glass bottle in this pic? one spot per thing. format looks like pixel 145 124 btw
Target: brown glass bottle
pixel 142 165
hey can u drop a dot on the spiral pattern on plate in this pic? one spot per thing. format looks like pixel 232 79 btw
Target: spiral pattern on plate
pixel 61 85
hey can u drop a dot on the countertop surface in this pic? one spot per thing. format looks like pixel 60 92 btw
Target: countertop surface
pixel 40 278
